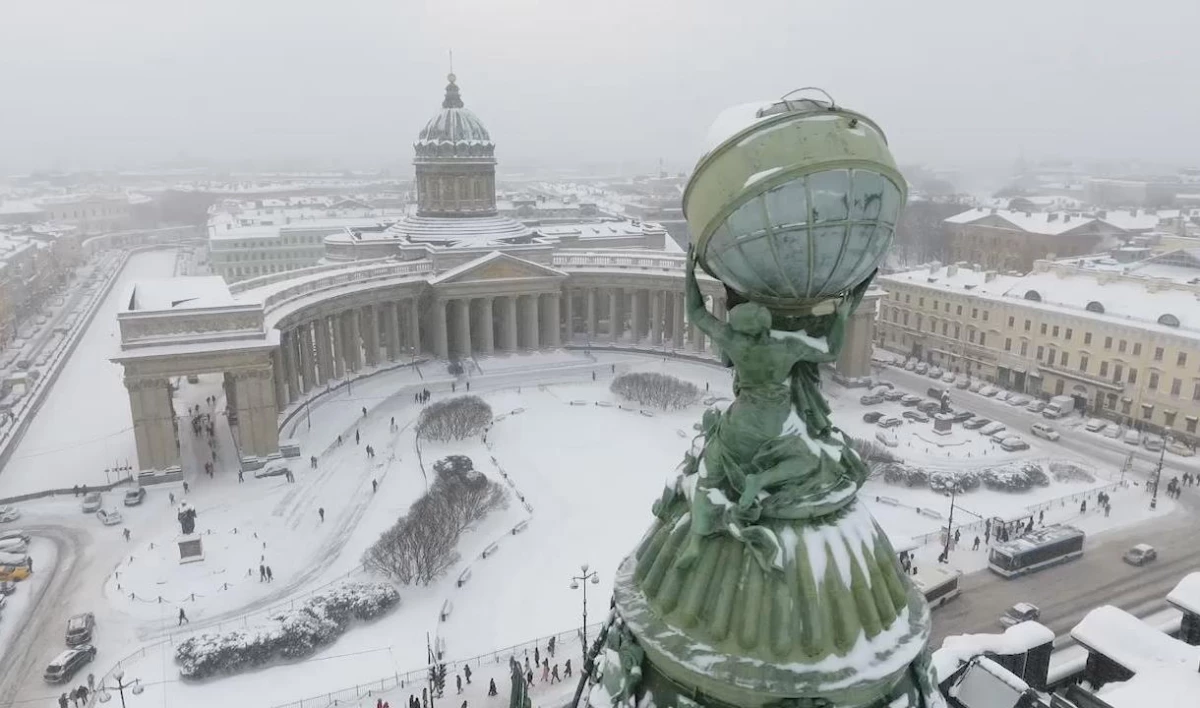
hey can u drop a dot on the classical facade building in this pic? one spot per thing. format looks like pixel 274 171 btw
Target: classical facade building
pixel 455 280
pixel 1123 340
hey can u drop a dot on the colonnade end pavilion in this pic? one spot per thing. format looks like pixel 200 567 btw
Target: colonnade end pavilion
pixel 452 281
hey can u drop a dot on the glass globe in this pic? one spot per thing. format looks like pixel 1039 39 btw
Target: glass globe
pixel 796 203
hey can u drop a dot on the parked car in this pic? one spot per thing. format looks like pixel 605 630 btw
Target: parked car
pixel 271 470
pixel 948 377
pixel 66 664
pixel 992 428
pixel 887 438
pixel 963 383
pixel 7 587
pixel 134 496
pixel 922 368
pixel 1044 431
pixel 1036 406
pixel 890 422
pixel 9 513
pixel 1153 443
pixel 1020 612
pixel 1095 425
pixel 193 379
pixel 1002 395
pixel 894 395
pixel 935 392
pixel 929 407
pixel 1140 554
pixel 1014 443
pixel 13 572
pixel 92 501
pixel 109 517
pixel 977 386
pixel 976 423
pixel 872 416
pixel 79 629
pixel 1132 437
pixel 14 545
pixel 916 416
pixel 14 533
pixel 935 372
pixel 910 366
pixel 1178 448
pixel 1019 399
pixel 988 391
pixel 961 416
pixel 910 400
pixel 870 399
pixel 1112 430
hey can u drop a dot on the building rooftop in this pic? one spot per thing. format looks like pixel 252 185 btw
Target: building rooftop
pixel 1048 223
pixel 197 292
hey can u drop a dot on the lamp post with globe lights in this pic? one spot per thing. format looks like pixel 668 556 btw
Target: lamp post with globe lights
pixel 581 581
pixel 104 694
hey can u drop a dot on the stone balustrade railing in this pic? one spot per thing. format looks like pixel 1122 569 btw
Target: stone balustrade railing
pixel 342 276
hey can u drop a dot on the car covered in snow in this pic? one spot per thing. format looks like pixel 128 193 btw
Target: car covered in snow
pixel 1112 430
pixel 917 416
pixel 963 382
pixel 15 533
pixel 1094 425
pixel 949 377
pixel 894 395
pixel 1140 554
pixel 890 422
pixel 1133 437
pixel 922 368
pixel 7 587
pixel 109 517
pixel 961 416
pixel 68 663
pixel 79 629
pixel 92 501
pixel 872 417
pixel 1003 395
pixel 9 513
pixel 1014 443
pixel 870 399
pixel 1020 612
pixel 929 407
pixel 1018 399
pixel 1153 443
pixel 1178 448
pixel 910 400
pixel 1036 406
pixel 910 365
pixel 135 496
pixel 976 423
pixel 992 428
pixel 935 372
pixel 271 469
pixel 886 438
pixel 1044 431
pixel 988 391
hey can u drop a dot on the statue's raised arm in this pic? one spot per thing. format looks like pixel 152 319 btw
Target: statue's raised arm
pixel 698 314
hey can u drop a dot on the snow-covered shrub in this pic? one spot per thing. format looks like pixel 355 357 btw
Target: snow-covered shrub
pixel 454 419
pixel 290 634
pixel 421 546
pixel 1063 471
pixel 653 389
pixel 946 481
pixel 1006 479
pixel 872 452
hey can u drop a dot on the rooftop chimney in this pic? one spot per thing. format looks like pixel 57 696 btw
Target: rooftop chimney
pixel 989 276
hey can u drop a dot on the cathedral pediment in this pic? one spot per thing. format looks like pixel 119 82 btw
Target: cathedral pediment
pixel 496 266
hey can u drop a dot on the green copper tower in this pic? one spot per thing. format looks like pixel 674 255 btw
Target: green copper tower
pixel 763 581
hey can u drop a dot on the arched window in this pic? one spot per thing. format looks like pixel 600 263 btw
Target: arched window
pixel 1033 295
pixel 1095 306
pixel 1169 320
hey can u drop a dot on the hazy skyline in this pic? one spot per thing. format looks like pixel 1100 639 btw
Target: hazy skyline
pixel 124 83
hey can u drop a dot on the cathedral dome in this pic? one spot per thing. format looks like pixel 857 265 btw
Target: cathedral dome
pixel 454 132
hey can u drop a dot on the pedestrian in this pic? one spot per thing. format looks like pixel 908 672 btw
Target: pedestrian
pixel 1042 517
pixel 567 669
pixel 464 705
pixel 75 489
pixel 1107 510
pixel 393 422
pixel 185 487
pixel 364 411
pixel 467 673
pixel 527 667
pixel 550 646
pixel 942 557
pixel 374 486
pixel 62 701
pixel 357 437
pixel 262 573
pixel 91 682
pixel 241 476
pixel 458 682
pixel 554 677
pixel 529 678
pixel 289 476
pixel 125 532
pixel 183 617
pixel 957 536
pixel 321 512
pixel 379 703
pixel 537 656
pixel 593 376
pixel 545 669
pixel 975 546
pixel 468 385
pixel 339 440
pixel 83 694
pixel 614 368
pixel 705 386
pixel 1083 506
pixel 491 687
pixel 270 575
pixel 171 497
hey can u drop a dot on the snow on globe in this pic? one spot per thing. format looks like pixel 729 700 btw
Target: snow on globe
pixel 795 202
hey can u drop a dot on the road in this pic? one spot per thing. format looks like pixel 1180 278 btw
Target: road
pixel 1066 593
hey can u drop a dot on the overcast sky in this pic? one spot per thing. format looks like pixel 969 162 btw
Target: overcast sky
pixel 119 83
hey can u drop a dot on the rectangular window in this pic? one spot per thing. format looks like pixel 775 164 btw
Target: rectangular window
pixel 945 328
pixel 1087 337
pixel 907 298
pixel 1137 348
pixel 947 307
pixel 1024 348
pixel 1026 325
pixel 1147 411
pixel 1121 346
pixel 1069 334
pixel 1062 359
pixel 1008 345
pixel 974 312
pixel 905 319
pixel 1153 381
pixel 1054 332
pixel 1108 342
pixel 982 339
pixel 1181 359
pixel 921 301
pixel 985 315
pixel 1104 369
pixel 1011 320
pixel 957 332
pixel 1083 361
pixel 1191 425
pixel 1040 351
pixel 895 315
pixel 958 310
pixel 1196 392
pixel 1117 371
pixel 971 336
pixel 1176 386
pixel 1158 353
pixel 1125 406
pixel 1043 328
pixel 1133 376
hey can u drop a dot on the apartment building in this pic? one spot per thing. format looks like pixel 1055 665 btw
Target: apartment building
pixel 1123 340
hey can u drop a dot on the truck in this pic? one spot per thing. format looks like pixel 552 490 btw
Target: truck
pixel 1058 407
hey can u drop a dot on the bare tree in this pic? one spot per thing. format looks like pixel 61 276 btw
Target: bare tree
pixel 654 389
pixel 454 419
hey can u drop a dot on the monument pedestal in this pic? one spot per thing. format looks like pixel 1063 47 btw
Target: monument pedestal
pixel 191 548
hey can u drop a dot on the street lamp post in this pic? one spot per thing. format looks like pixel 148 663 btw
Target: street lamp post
pixel 594 578
pixel 1158 472
pixel 104 694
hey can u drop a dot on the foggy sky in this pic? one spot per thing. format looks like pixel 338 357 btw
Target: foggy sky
pixel 348 84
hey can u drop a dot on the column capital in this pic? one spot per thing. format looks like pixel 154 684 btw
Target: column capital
pixel 140 383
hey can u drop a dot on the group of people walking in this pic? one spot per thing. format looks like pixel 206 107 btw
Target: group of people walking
pixel 78 695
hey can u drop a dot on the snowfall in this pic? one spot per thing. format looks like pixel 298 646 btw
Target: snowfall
pixel 581 470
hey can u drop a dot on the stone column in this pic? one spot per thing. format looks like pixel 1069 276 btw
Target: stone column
pixel 257 432
pixel 154 431
pixel 568 330
pixel 656 297
pixel 324 356
pixel 391 328
pixel 531 322
pixel 281 395
pixel 508 323
pixel 287 352
pixel 487 345
pixel 553 337
pixel 307 365
pixel 370 335
pixel 440 345
pixel 354 341
pixel 591 314
pixel 677 321
pixel 333 327
pixel 614 309
pixel 637 316
pixel 462 328
pixel 414 326
pixel 855 357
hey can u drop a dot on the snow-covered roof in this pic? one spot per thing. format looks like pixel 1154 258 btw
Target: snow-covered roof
pixel 986 684
pixel 1048 223
pixel 1132 643
pixel 1156 688
pixel 180 294
pixel 1017 639
pixel 19 207
pixel 1131 219
pixel 1186 594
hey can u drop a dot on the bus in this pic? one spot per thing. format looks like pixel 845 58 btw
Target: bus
pixel 1036 550
pixel 937 584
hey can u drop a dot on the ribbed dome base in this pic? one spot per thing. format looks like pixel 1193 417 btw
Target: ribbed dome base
pixel 467 231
